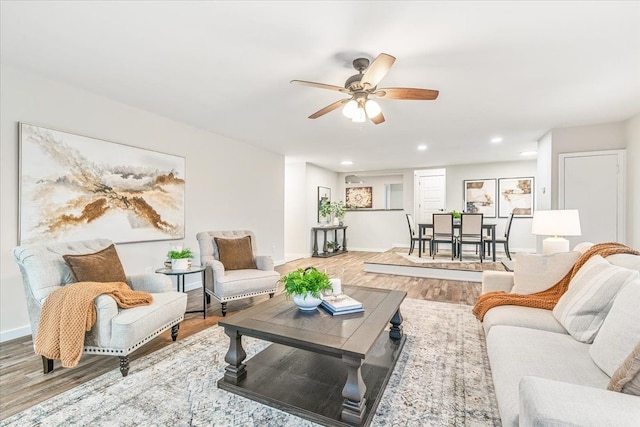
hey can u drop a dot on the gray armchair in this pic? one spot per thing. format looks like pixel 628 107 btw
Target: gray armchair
pixel 117 332
pixel 227 283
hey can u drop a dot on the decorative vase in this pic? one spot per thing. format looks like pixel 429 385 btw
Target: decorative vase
pixel 306 302
pixel 180 264
pixel 336 221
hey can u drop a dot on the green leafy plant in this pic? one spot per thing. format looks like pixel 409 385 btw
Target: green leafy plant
pixel 325 208
pixel 305 280
pixel 180 254
pixel 333 246
pixel 456 214
pixel 338 209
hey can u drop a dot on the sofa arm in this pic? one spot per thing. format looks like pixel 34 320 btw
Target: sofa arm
pixel 264 263
pixel 496 281
pixel 106 310
pixel 152 283
pixel 545 402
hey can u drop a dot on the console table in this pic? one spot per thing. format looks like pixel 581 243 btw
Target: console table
pixel 324 229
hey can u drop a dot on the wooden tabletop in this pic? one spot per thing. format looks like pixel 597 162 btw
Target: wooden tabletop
pixel 279 320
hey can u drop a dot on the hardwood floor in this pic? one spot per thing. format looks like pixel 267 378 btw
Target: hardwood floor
pixel 22 383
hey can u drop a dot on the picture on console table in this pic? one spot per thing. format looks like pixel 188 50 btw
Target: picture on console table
pixel 480 197
pixel 515 195
pixel 75 187
pixel 359 197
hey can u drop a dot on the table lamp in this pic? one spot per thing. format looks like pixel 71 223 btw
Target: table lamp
pixel 555 224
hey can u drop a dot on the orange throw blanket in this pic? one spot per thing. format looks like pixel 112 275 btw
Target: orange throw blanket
pixel 547 299
pixel 69 312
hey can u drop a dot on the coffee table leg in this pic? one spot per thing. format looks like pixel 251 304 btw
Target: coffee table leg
pixel 235 371
pixel 395 333
pixel 353 392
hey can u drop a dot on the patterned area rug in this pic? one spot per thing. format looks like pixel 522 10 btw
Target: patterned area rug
pixel 441 379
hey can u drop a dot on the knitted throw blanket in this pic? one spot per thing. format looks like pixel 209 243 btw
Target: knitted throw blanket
pixel 547 299
pixel 69 312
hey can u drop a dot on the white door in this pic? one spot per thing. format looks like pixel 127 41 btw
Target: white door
pixel 430 195
pixel 594 183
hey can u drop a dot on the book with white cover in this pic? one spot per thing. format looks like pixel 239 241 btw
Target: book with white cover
pixel 341 302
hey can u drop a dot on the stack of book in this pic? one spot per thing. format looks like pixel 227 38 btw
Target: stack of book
pixel 341 304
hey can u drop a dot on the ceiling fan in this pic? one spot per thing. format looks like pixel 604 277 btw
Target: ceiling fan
pixel 358 107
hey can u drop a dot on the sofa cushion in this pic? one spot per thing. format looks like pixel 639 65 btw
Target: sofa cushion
pixel 627 377
pixel 620 330
pixel 629 261
pixel 101 266
pixel 235 254
pixel 517 352
pixel 535 273
pixel 526 317
pixel 240 283
pixel 582 309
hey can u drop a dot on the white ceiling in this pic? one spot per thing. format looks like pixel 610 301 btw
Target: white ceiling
pixel 509 69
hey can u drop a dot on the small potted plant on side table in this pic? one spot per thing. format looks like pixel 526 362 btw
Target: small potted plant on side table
pixel 306 287
pixel 180 258
pixel 339 210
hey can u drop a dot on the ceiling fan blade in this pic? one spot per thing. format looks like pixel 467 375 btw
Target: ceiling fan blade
pixel 407 93
pixel 378 119
pixel 329 108
pixel 320 85
pixel 377 70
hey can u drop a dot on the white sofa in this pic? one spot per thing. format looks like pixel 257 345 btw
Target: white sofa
pixel 542 375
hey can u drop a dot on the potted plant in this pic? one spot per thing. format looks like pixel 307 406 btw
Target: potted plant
pixel 339 210
pixel 325 210
pixel 456 216
pixel 180 258
pixel 333 246
pixel 306 285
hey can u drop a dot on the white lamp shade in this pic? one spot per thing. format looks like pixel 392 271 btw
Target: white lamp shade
pixel 349 108
pixel 556 223
pixel 372 108
pixel 359 115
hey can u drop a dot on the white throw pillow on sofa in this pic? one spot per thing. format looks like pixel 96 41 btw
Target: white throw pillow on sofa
pixel 583 308
pixel 535 273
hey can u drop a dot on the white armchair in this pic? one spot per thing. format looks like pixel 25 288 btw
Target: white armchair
pixel 117 331
pixel 244 275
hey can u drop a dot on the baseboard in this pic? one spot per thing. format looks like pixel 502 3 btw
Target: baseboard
pixel 366 249
pixel 12 334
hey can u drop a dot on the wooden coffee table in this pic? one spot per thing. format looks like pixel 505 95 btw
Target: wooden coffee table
pixel 329 369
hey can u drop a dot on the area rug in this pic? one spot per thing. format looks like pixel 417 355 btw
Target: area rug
pixel 442 378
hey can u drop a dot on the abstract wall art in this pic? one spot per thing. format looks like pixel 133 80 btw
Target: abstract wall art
pixel 75 187
pixel 516 195
pixel 480 197
pixel 359 197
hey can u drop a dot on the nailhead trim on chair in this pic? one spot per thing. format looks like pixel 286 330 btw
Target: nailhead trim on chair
pixel 250 294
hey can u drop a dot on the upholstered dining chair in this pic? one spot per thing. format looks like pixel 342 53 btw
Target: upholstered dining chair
pixel 443 233
pixel 413 236
pixel 234 270
pixel 118 332
pixel 471 233
pixel 504 240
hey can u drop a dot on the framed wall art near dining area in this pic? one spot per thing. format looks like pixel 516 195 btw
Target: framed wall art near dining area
pixel 324 195
pixel 359 197
pixel 75 187
pixel 480 197
pixel 515 195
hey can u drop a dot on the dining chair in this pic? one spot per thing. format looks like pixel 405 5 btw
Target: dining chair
pixel 443 233
pixel 413 235
pixel 504 240
pixel 471 233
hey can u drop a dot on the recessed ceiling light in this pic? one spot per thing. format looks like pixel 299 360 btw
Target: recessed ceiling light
pixel 496 140
pixel 422 147
pixel 346 162
pixel 528 153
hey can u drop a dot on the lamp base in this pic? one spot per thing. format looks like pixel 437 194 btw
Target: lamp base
pixel 554 245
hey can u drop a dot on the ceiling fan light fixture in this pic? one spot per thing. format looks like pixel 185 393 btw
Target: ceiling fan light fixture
pixel 359 115
pixel 372 108
pixel 350 108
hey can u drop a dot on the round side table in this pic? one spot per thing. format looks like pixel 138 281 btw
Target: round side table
pixel 180 281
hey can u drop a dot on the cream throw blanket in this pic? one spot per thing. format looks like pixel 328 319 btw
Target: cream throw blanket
pixel 68 313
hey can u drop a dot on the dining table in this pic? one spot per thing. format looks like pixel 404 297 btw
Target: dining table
pixel 490 228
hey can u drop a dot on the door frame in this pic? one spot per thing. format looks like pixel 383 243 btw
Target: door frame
pixel 621 197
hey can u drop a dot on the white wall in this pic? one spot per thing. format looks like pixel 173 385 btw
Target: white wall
pixel 229 184
pixel 633 181
pixel 295 211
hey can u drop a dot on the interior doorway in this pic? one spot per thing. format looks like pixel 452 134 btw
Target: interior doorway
pixel 430 193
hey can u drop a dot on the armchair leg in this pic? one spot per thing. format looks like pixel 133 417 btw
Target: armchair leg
pixel 271 295
pixel 174 331
pixel 224 309
pixel 47 365
pixel 124 365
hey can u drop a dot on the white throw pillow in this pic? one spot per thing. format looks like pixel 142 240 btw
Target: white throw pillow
pixel 582 309
pixel 535 273
pixel 620 331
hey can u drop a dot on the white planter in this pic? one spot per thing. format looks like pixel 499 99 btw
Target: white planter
pixel 180 264
pixel 306 302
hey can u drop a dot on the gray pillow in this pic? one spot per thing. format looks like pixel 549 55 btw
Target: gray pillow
pixel 536 273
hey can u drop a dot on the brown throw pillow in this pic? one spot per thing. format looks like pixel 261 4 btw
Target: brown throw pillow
pixel 102 266
pixel 626 378
pixel 235 254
